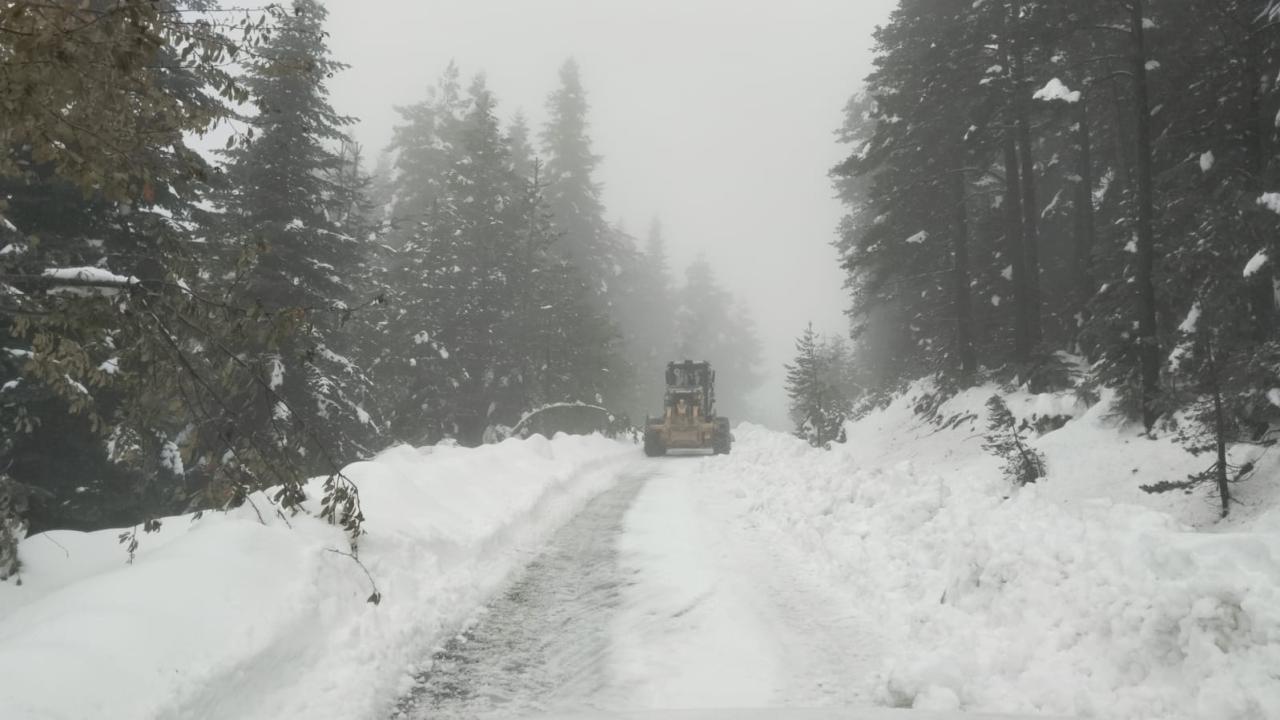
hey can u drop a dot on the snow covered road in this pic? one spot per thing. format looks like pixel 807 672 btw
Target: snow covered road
pixel 540 643
pixel 652 597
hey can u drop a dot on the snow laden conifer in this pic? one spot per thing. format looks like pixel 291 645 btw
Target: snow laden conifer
pixel 818 386
pixel 489 319
pixel 648 325
pixel 524 159
pixel 408 369
pixel 599 252
pixel 120 351
pixel 292 217
pixel 711 326
pixel 474 264
pixel 572 192
pixel 911 263
pixel 1223 371
pixel 1023 464
pixel 1092 164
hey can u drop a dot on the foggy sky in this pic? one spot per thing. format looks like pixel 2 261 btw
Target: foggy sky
pixel 717 116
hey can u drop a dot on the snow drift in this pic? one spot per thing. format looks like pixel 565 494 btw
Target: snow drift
pixel 228 616
pixel 1078 595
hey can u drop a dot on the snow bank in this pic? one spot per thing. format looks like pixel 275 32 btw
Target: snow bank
pixel 1080 595
pixel 230 617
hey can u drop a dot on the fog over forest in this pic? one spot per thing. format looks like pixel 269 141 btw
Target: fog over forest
pixel 716 116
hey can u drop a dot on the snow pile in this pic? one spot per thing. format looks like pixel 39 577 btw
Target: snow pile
pixel 229 617
pixel 1079 595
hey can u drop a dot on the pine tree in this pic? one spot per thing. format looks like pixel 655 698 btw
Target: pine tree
pixel 817 385
pixel 572 192
pixel 409 369
pixel 490 319
pixel 134 352
pixel 1023 464
pixel 711 326
pixel 910 139
pixel 649 326
pixel 112 188
pixel 524 160
pixel 1115 160
pixel 472 246
pixel 294 209
pixel 600 253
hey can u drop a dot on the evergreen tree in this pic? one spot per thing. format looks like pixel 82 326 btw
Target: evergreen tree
pixel 408 370
pixel 818 388
pixel 649 328
pixel 572 192
pixel 1112 158
pixel 127 345
pixel 600 253
pixel 524 161
pixel 294 204
pixel 490 319
pixel 711 326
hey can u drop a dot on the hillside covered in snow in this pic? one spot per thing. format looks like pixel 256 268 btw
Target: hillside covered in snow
pixel 1078 595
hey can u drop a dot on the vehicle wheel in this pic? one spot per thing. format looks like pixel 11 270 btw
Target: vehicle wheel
pixel 653 446
pixel 722 440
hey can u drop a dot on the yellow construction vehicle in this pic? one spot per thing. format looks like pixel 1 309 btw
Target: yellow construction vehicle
pixel 689 420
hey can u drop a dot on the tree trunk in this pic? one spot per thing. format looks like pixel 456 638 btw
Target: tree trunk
pixel 1082 255
pixel 960 274
pixel 1021 103
pixel 1148 343
pixel 1122 139
pixel 1014 248
pixel 1262 302
pixel 1220 436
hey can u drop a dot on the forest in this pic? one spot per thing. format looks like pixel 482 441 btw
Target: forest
pixel 1065 195
pixel 185 327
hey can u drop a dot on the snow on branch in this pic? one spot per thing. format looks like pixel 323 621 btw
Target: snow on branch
pixel 1055 90
pixel 86 281
pixel 1255 263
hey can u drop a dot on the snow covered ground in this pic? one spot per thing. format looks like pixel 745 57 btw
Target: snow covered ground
pixel 900 569
pixel 228 617
pixel 1080 595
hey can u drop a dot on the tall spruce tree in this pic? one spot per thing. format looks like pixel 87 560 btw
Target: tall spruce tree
pixel 817 386
pixel 489 318
pixel 572 191
pixel 712 326
pixel 650 328
pixel 293 209
pixel 600 253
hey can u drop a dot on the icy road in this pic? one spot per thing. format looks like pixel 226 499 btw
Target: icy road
pixel 650 598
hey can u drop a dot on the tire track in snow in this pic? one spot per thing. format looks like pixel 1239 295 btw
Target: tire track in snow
pixel 543 644
pixel 717 617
